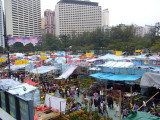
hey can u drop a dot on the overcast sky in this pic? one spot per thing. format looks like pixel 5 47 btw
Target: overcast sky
pixel 138 12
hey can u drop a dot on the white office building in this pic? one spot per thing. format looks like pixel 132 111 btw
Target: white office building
pixel 77 16
pixel 105 16
pixel 23 18
pixel 2 42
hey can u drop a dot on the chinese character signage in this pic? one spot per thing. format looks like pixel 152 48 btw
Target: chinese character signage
pixel 21 62
pixel 2 59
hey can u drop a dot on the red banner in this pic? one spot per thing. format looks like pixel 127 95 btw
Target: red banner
pixel 53 56
pixel 82 57
pixel 155 62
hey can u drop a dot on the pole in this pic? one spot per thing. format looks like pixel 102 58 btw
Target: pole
pixel 131 95
pixel 148 100
pixel 120 104
pixel 106 95
pixel 65 46
pixel 60 110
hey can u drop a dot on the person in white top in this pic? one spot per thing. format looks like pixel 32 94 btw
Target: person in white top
pixel 101 94
pixel 117 110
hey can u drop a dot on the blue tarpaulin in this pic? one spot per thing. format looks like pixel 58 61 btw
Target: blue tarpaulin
pixel 115 77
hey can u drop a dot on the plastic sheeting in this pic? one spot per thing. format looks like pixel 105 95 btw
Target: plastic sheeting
pixel 5 84
pixel 54 102
pixel 150 80
pixel 137 115
pixel 118 64
pixel 43 69
pixel 22 89
pixel 67 72
pixel 115 77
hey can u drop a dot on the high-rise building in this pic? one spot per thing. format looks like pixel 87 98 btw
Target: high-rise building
pixel 49 17
pixel 42 25
pixel 105 17
pixel 2 42
pixel 73 16
pixel 23 18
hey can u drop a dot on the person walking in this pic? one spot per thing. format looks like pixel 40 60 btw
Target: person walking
pixel 117 110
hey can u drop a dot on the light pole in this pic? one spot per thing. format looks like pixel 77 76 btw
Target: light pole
pixel 6 37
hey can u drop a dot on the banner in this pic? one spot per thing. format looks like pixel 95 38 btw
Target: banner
pixel 31 53
pixel 89 54
pixel 82 57
pixel 118 53
pixel 2 59
pixel 138 51
pixel 21 62
pixel 53 56
pixel 43 57
pixel 43 53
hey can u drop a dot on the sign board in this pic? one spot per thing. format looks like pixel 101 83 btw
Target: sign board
pixel 21 62
pixel 2 59
pixel 3 101
pixel 89 54
pixel 156 62
pixel 53 56
pixel 12 105
pixel 43 53
pixel 82 57
pixel 138 51
pixel 118 53
pixel 20 109
pixel 31 53
pixel 43 57
pixel 26 109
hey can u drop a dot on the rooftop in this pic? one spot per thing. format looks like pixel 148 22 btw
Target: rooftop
pixel 79 2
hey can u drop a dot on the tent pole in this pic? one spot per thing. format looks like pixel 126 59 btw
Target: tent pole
pixel 148 100
pixel 131 96
pixel 120 103
pixel 106 95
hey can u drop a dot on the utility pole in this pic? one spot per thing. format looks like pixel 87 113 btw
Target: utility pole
pixel 6 37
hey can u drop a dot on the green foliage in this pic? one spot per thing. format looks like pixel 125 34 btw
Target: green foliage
pixel 156 46
pixel 29 47
pixel 17 47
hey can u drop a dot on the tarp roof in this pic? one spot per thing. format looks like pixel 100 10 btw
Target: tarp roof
pixel 8 83
pixel 115 77
pixel 138 115
pixel 150 80
pixel 43 69
pixel 117 64
pixel 20 89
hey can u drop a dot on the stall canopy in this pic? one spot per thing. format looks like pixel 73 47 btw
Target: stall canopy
pixel 5 84
pixel 138 115
pixel 43 69
pixel 150 80
pixel 118 64
pixel 22 89
pixel 115 77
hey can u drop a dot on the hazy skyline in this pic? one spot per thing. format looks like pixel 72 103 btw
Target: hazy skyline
pixel 128 12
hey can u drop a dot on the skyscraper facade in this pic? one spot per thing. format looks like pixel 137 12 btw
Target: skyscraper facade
pixel 2 42
pixel 77 16
pixel 49 17
pixel 105 17
pixel 23 18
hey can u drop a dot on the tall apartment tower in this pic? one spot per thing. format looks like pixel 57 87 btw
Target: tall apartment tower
pixel 105 17
pixel 77 16
pixel 23 18
pixel 49 17
pixel 2 42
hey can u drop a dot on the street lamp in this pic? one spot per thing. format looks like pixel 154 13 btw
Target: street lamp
pixel 6 37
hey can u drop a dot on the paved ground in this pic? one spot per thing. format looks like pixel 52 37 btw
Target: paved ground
pixel 5 116
pixel 111 112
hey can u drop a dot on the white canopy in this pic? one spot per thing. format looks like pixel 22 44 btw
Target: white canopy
pixel 22 89
pixel 8 83
pixel 43 69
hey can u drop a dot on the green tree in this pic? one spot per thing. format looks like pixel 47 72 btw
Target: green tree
pixel 29 47
pixel 17 47
pixel 156 46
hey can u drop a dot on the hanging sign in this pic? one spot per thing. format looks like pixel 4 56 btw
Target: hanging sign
pixel 53 56
pixel 138 51
pixel 155 62
pixel 43 53
pixel 43 57
pixel 31 53
pixel 21 62
pixel 82 57
pixel 89 54
pixel 2 59
pixel 118 53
